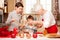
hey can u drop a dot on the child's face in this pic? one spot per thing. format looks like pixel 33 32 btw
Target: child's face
pixel 30 21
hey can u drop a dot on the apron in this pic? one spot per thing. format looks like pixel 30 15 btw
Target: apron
pixel 51 29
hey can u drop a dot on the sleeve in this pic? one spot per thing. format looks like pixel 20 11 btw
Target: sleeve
pixel 47 20
pixel 9 18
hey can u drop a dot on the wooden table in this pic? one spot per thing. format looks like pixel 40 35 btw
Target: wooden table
pixel 38 38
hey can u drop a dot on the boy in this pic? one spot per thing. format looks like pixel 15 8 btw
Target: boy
pixel 29 27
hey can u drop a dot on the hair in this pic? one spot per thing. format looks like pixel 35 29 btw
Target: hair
pixel 30 17
pixel 18 4
pixel 39 7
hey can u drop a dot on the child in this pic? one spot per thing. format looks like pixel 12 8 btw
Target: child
pixel 29 27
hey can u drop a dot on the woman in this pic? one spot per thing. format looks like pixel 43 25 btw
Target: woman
pixel 48 20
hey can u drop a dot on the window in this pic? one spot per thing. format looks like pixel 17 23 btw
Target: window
pixel 47 4
pixel 29 5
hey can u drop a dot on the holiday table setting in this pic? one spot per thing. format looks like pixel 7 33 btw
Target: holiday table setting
pixel 15 35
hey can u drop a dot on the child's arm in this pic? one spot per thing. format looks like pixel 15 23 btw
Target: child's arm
pixel 38 23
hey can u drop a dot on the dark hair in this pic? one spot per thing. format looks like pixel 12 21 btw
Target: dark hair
pixel 18 4
pixel 30 17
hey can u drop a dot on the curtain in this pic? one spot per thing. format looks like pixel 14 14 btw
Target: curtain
pixel 55 9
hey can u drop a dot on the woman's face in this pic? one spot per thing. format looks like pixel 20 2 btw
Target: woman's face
pixel 40 11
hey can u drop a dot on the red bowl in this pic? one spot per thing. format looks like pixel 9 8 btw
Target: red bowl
pixel 34 35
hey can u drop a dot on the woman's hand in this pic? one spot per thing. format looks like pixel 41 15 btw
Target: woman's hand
pixel 39 24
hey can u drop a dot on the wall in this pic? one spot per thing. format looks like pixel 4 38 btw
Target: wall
pixel 11 5
pixel 59 6
pixel 1 3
